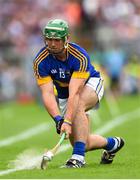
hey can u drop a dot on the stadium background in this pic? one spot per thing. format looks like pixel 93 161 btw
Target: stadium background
pixel 109 30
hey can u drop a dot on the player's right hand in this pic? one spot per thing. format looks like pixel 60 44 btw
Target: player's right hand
pixel 58 126
pixel 67 129
pixel 58 121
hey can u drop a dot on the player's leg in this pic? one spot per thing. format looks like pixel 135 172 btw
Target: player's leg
pixel 81 139
pixel 93 141
pixel 111 145
pixel 91 95
pixel 80 127
pixel 109 153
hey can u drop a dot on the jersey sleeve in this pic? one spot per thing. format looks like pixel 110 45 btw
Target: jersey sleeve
pixel 41 69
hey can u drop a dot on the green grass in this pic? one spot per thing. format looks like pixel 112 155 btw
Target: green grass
pixel 22 117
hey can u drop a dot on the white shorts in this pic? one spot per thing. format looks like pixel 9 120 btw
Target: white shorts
pixel 95 83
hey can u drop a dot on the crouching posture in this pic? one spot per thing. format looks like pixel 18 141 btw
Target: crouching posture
pixel 67 66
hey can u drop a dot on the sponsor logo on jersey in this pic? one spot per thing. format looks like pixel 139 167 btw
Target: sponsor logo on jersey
pixel 53 71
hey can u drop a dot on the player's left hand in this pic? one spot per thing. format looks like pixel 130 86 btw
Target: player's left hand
pixel 66 128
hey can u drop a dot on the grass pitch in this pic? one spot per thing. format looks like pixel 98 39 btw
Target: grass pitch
pixel 17 118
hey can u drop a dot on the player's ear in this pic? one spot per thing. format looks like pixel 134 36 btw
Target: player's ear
pixel 66 41
pixel 67 38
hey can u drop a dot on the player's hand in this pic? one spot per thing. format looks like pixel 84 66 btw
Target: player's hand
pixel 58 121
pixel 66 128
pixel 58 126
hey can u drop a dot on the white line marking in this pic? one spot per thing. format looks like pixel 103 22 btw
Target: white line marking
pixel 8 171
pixel 97 119
pixel 105 129
pixel 118 121
pixel 112 104
pixel 25 135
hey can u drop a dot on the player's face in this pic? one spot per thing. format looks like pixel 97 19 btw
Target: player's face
pixel 55 46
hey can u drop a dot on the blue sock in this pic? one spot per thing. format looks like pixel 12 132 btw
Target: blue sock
pixel 79 148
pixel 110 143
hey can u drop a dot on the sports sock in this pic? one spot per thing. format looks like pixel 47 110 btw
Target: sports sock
pixel 79 151
pixel 78 157
pixel 110 144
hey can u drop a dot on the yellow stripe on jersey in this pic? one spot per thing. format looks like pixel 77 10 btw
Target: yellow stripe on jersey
pixel 41 57
pixel 79 56
pixel 38 57
pixel 37 63
pixel 55 91
pixel 61 84
pixel 44 80
pixel 84 75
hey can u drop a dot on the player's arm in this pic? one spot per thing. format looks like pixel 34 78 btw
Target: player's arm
pixel 49 99
pixel 45 83
pixel 78 79
pixel 80 75
pixel 50 103
pixel 75 87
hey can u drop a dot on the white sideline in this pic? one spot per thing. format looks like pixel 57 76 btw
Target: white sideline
pixel 118 121
pixel 105 129
pixel 8 171
pixel 25 135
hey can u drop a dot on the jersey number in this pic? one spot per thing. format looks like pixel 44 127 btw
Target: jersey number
pixel 62 74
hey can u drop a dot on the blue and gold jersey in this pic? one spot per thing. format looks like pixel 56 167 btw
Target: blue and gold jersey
pixel 77 65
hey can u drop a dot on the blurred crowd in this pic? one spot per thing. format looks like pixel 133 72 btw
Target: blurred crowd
pixel 108 29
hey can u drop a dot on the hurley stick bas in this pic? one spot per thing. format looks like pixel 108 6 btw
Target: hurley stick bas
pixel 50 153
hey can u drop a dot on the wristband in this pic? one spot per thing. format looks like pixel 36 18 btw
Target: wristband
pixel 57 118
pixel 67 122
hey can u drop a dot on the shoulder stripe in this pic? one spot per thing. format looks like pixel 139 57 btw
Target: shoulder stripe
pixel 39 56
pixel 42 57
pixel 84 58
pixel 79 56
pixel 44 51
